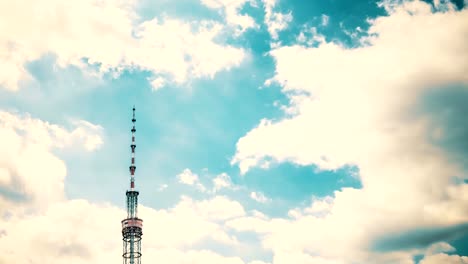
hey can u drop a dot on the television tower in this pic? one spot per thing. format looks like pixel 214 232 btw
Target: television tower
pixel 132 226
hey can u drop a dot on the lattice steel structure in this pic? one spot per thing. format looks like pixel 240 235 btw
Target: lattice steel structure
pixel 132 226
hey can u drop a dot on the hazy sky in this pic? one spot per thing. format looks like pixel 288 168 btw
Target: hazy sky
pixel 268 131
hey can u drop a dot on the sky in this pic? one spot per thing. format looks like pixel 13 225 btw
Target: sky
pixel 268 131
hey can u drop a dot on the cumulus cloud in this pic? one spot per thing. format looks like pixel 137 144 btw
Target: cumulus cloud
pixel 298 257
pixel 444 258
pixel 259 197
pixel 110 39
pixel 206 218
pixel 175 256
pixel 49 135
pixel 62 233
pixel 29 172
pixel 220 208
pixel 320 207
pixel 310 37
pixel 357 107
pixel 39 225
pixel 275 21
pixel 157 83
pixel 171 46
pixel 258 262
pixel 222 181
pixel 231 10
pixel 189 178
pixel 437 248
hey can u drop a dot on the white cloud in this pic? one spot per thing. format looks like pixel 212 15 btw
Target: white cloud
pixel 29 171
pixel 325 20
pixel 201 187
pixel 259 197
pixel 49 135
pixel 231 9
pixel 88 133
pixel 310 37
pixel 206 218
pixel 222 181
pixel 320 207
pixel 34 28
pixel 302 258
pixel 258 262
pixel 189 178
pixel 275 21
pixel 295 213
pixel 48 228
pixel 355 109
pixel 162 187
pixel 171 46
pixel 175 256
pixel 62 232
pixel 110 39
pixel 258 214
pixel 157 83
pixel 440 247
pixel 444 258
pixel 219 208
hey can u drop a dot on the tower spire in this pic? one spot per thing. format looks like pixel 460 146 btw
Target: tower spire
pixel 132 226
pixel 133 146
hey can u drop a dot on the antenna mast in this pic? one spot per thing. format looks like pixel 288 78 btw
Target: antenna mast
pixel 132 226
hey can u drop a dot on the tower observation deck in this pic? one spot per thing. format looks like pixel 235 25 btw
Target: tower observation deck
pixel 132 226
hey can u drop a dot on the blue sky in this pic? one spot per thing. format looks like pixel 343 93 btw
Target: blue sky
pixel 322 119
